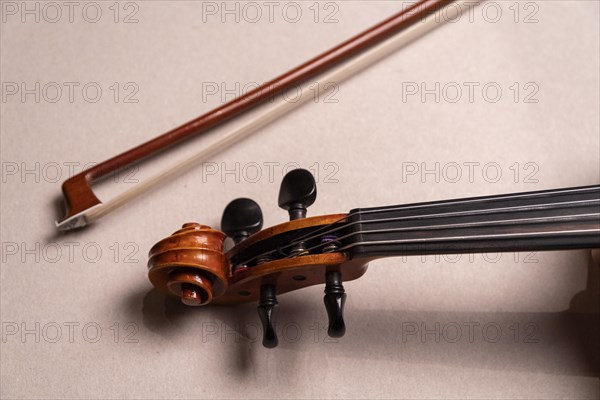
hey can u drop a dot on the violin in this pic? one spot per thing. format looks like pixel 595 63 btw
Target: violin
pixel 193 265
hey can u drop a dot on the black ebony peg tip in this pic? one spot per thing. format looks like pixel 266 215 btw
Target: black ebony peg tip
pixel 267 311
pixel 334 300
pixel 241 218
pixel 298 191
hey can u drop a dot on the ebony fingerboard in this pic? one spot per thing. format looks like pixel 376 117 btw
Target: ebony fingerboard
pixel 545 220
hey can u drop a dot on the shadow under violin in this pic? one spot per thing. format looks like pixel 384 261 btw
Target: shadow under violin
pixel 562 343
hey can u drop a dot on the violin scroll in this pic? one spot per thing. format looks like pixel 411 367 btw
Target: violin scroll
pixel 190 264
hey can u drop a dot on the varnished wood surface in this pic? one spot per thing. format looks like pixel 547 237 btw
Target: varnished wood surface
pixel 194 254
pixel 309 222
pixel 289 274
pixel 195 249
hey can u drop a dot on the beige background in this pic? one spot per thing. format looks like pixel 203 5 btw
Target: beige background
pixel 360 146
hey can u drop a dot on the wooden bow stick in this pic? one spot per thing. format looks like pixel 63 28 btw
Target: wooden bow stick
pixel 84 207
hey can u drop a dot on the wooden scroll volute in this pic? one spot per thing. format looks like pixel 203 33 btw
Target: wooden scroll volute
pixel 190 264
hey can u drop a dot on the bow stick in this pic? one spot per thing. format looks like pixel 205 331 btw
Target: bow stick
pixel 83 207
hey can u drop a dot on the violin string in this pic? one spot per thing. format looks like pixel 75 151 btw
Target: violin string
pixel 312 235
pixel 491 236
pixel 462 225
pixel 530 195
pixel 442 215
pixel 328 231
pixel 471 212
pixel 546 206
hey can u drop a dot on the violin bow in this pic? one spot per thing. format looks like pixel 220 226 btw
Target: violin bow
pixel 353 55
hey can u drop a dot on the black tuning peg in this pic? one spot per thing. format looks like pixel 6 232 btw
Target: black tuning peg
pixel 297 192
pixel 335 297
pixel 241 218
pixel 267 311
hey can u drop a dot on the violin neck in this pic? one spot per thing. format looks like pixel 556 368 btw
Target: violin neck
pixel 544 220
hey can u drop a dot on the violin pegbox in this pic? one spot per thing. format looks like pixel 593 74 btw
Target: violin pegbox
pixel 241 218
pixel 298 191
pixel 192 264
